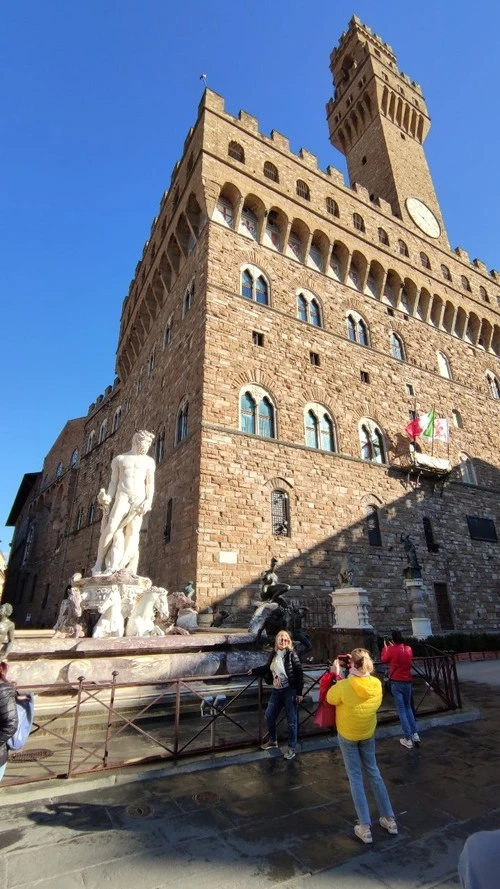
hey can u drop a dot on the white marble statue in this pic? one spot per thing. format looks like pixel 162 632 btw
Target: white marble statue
pixel 151 605
pixel 70 611
pixel 111 621
pixel 128 498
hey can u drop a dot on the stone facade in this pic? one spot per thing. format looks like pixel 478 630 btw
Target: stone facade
pixel 355 323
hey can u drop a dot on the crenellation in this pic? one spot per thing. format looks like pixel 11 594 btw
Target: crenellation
pixel 250 122
pixel 336 175
pixel 280 141
pixel 462 254
pixel 479 264
pixel 309 159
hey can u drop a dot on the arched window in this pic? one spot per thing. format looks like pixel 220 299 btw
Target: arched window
pixel 188 299
pixel 493 385
pixel 332 207
pixel 59 470
pixel 457 419
pixel 432 546
pixel 483 294
pixel 444 366
pixel 372 442
pixel 319 428
pixel 74 459
pixel 358 222
pixel 254 286
pixel 280 513
pixel 403 249
pixel 103 431
pixel 425 261
pixel 467 470
pixel 302 190
pixel 465 283
pixel 117 418
pixel 308 309
pixel 167 531
pixel 373 526
pixel 150 363
pixel 160 446
pixel 79 519
pixel 92 512
pixel 236 152
pixel 446 272
pixel 257 413
pixel 397 348
pixel 357 330
pixel 90 442
pixel 182 423
pixel 383 237
pixel 271 172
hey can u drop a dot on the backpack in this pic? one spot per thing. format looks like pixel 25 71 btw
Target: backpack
pixel 25 715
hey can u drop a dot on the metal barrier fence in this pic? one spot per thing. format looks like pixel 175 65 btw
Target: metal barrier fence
pixel 111 725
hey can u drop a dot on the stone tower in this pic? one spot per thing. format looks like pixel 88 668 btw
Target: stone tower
pixel 378 119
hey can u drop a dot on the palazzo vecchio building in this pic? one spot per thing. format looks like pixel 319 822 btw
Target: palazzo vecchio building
pixel 282 329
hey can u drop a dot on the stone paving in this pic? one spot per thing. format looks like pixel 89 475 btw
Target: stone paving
pixel 264 822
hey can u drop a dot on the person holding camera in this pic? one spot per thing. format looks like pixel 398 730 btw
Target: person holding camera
pixel 357 700
pixel 284 672
pixel 400 657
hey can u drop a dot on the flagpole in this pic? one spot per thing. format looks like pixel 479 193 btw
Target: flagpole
pixel 433 428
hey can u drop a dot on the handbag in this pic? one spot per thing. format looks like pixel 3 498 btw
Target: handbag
pixel 325 715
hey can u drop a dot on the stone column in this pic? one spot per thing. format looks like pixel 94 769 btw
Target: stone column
pixel 421 625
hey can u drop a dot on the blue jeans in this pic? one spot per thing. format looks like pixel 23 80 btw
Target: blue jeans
pixel 359 755
pixel 402 694
pixel 283 697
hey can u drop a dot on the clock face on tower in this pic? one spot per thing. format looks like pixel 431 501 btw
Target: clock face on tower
pixel 423 217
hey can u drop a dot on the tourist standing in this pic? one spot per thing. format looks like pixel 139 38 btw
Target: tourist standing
pixel 8 715
pixel 399 657
pixel 284 671
pixel 357 700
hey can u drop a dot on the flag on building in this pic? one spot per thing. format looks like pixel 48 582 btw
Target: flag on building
pixel 442 430
pixel 421 425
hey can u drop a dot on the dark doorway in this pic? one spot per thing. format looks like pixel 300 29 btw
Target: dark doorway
pixel 443 606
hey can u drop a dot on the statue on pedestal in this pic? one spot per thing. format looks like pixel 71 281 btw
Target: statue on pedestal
pixel 7 630
pixel 413 569
pixel 127 500
pixel 70 612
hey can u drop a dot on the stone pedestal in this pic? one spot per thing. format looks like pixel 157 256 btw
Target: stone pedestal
pixel 421 625
pixel 350 607
pixel 100 595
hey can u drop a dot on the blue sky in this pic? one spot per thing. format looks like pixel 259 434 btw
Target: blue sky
pixel 98 97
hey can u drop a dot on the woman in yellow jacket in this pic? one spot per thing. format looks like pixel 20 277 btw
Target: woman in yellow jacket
pixel 357 700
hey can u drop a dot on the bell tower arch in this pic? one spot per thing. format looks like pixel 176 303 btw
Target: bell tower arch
pixel 378 119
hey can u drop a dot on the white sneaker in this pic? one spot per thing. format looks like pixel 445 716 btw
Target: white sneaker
pixel 363 833
pixel 416 738
pixel 269 745
pixel 290 754
pixel 389 825
pixel 406 743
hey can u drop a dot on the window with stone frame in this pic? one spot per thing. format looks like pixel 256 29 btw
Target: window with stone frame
pixel 332 207
pixel 59 470
pixel 74 459
pixel 373 526
pixel 280 513
pixel 372 442
pixel 188 299
pixel 444 366
pixel 117 418
pixel 445 272
pixel 467 470
pixel 397 348
pixel 254 285
pixel 493 385
pixel 79 519
pixel 257 415
pixel 403 248
pixel 432 546
pixel 90 442
pixel 465 283
pixel 319 429
pixel 182 426
pixel 103 431
pixel 308 309
pixel 357 330
pixel 358 222
pixel 236 152
pixel 383 237
pixel 160 446
pixel 167 336
pixel 167 531
pixel 271 172
pixel 302 190
pixel 425 261
pixel 151 361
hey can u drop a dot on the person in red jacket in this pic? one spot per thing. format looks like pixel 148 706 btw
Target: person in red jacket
pixel 399 657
